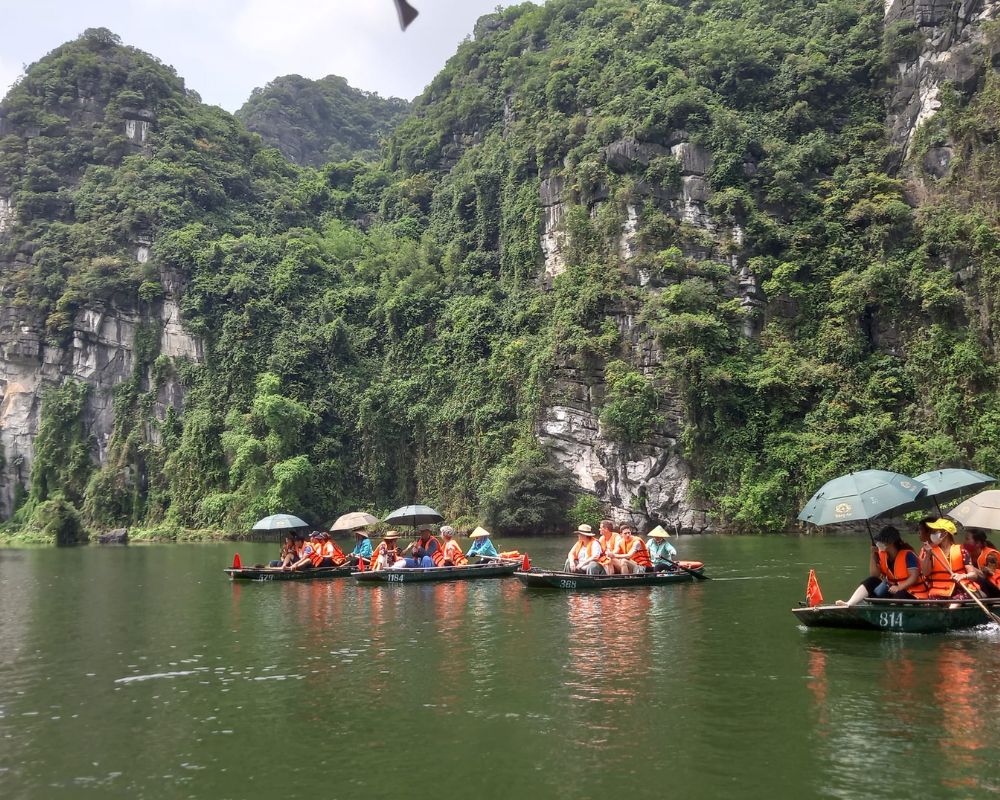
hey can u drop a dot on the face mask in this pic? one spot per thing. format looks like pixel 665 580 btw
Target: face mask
pixel 937 537
pixel 881 546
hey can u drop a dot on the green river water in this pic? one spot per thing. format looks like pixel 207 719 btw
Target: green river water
pixel 143 672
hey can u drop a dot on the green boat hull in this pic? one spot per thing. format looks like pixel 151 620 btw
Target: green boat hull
pixel 899 616
pixel 265 575
pixel 547 579
pixel 426 574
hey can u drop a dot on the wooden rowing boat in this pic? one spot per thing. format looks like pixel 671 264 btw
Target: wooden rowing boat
pixel 264 574
pixel 551 579
pixel 898 616
pixel 491 569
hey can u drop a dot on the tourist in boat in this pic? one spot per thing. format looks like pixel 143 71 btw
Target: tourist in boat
pixel 387 554
pixel 328 553
pixel 636 557
pixel 425 551
pixel 661 552
pixel 305 553
pixel 945 565
pixel 481 545
pixel 586 554
pixel 894 568
pixel 362 548
pixel 289 552
pixel 453 555
pixel 611 542
pixel 985 558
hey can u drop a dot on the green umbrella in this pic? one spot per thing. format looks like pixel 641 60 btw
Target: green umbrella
pixel 279 522
pixel 863 495
pixel 947 484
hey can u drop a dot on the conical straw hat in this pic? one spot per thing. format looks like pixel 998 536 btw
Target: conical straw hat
pixel 658 533
pixel 479 532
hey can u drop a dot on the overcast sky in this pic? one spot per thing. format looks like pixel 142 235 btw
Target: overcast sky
pixel 225 48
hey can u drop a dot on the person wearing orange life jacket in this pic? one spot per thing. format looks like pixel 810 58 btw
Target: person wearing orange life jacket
pixel 636 557
pixel 986 559
pixel 611 542
pixel 894 571
pixel 451 552
pixel 945 565
pixel 307 553
pixel 289 552
pixel 387 554
pixel 586 554
pixel 328 553
pixel 426 550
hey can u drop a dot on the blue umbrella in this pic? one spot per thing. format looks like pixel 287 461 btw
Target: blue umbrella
pixel 863 496
pixel 947 484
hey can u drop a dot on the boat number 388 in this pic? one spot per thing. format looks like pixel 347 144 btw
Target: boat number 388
pixel 891 619
pixel 567 584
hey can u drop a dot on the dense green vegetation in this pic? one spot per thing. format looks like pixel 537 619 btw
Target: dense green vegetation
pixel 376 332
pixel 315 122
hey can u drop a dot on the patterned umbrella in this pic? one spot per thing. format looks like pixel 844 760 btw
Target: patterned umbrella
pixel 863 496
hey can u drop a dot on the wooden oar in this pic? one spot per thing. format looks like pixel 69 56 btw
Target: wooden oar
pixel 969 592
pixel 696 574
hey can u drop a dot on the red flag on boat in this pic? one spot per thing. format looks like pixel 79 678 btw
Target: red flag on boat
pixel 361 565
pixel 237 564
pixel 813 594
pixel 525 563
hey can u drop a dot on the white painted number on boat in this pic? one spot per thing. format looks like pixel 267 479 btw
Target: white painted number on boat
pixel 567 584
pixel 394 578
pixel 891 619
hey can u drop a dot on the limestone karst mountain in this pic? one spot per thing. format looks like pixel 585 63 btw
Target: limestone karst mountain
pixel 682 261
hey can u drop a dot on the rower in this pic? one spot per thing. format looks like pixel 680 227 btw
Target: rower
pixel 986 558
pixel 661 552
pixel 481 545
pixel 426 550
pixel 636 558
pixel 944 564
pixel 586 554
pixel 453 555
pixel 387 554
pixel 362 548
pixel 611 542
pixel 894 571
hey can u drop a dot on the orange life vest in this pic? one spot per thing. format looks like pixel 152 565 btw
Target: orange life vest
pixel 331 550
pixel 454 554
pixel 899 573
pixel 984 556
pixel 380 550
pixel 939 578
pixel 611 545
pixel 582 550
pixel 438 555
pixel 641 556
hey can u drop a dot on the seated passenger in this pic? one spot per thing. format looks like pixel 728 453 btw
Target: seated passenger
pixel 289 550
pixel 306 553
pixel 453 555
pixel 661 552
pixel 611 543
pixel 945 566
pixel 986 558
pixel 481 545
pixel 387 554
pixel 328 553
pixel 586 554
pixel 894 571
pixel 636 558
pixel 426 550
pixel 362 549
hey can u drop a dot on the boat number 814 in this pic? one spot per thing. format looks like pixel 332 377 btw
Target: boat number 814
pixel 891 619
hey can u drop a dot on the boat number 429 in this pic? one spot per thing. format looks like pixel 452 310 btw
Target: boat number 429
pixel 891 619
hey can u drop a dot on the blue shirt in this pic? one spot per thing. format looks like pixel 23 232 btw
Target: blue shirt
pixel 483 547
pixel 660 550
pixel 363 549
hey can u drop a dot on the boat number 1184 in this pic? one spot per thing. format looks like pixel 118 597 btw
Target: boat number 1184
pixel 891 619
